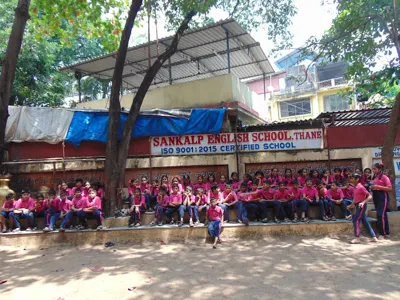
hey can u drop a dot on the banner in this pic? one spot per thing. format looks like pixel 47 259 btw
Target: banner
pixel 224 143
pixel 377 152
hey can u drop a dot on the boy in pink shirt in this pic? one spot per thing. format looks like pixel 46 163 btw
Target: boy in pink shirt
pixel 348 190
pixel 78 185
pixel 215 215
pixel 175 201
pixel 303 175
pixel 78 203
pixel 52 207
pixel 282 195
pixel 23 209
pixel 336 197
pixel 252 204
pixel 138 207
pixel 64 187
pixel 298 203
pixel 231 201
pixel 92 209
pixel 5 210
pixel 202 202
pixel 234 182
pixel 268 201
pixel 310 194
pixel 40 209
pixel 361 197
pixel 328 204
pixel 222 183
pixel 243 197
pixel 145 189
pixel 200 184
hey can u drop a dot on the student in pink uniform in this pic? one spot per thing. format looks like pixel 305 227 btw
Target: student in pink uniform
pixel 268 201
pixel 202 201
pixel 253 205
pixel 337 175
pixel 361 197
pixel 161 207
pixel 99 190
pixel 234 182
pixel 303 175
pixel 248 180
pixel 222 183
pixel 282 195
pixel 327 179
pixel 175 201
pixel 310 194
pixel 336 196
pixel 366 179
pixel 275 178
pixel 78 185
pixel 78 203
pixel 40 209
pixel 298 203
pixel 186 181
pixel 187 200
pixel 200 184
pixel 215 216
pixel 64 208
pixel 347 172
pixel 210 182
pixel 154 190
pixel 85 190
pixel 64 187
pixel 231 201
pixel 145 189
pixel 8 206
pixel 259 179
pixel 323 197
pixel 138 207
pixel 315 177
pixel 288 178
pixel 380 187
pixel 244 197
pixel 52 204
pixel 92 209
pixel 133 184
pixel 23 209
pixel 348 190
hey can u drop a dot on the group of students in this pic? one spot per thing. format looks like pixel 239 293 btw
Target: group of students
pixel 289 196
pixel 83 201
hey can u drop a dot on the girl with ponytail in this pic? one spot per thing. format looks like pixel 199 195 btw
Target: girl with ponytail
pixel 380 187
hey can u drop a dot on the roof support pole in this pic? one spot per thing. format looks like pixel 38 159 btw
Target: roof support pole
pixel 78 76
pixel 265 90
pixel 169 71
pixel 228 52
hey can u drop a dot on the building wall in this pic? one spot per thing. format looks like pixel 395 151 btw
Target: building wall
pixel 328 92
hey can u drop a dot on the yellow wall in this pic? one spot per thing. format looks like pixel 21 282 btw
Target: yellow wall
pixel 328 92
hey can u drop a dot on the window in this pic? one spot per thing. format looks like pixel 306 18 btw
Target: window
pixel 295 108
pixel 336 103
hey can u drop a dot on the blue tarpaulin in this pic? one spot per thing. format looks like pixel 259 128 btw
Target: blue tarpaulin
pixel 93 126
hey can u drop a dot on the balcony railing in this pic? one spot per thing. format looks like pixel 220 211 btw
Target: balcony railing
pixel 331 83
pixel 293 91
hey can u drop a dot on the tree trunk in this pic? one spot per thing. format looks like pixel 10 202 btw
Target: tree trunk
pixel 144 87
pixel 9 66
pixel 112 171
pixel 388 146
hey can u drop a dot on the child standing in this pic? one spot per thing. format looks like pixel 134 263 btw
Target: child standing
pixel 380 188
pixel 366 178
pixel 215 216
pixel 268 201
pixel 93 208
pixel 7 207
pixel 175 201
pixel 282 195
pixel 298 202
pixel 361 197
pixel 336 196
pixel 310 194
pixel 288 178
pixel 200 184
pixel 52 208
pixel 138 206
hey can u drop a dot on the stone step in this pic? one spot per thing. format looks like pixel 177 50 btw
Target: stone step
pixel 170 233
pixel 393 216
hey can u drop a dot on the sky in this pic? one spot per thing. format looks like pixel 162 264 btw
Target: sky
pixel 312 19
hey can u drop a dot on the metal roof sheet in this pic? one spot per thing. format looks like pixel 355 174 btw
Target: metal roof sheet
pixel 356 117
pixel 201 53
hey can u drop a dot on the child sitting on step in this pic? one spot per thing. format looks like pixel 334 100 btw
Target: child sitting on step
pixel 161 206
pixel 8 207
pixel 138 207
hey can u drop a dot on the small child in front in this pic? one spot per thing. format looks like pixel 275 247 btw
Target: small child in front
pixel 361 197
pixel 93 208
pixel 215 215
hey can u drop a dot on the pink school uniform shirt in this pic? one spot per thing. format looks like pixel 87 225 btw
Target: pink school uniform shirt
pixel 203 199
pixel 67 191
pixel 348 193
pixel 175 198
pixel 267 194
pixel 314 180
pixel 138 200
pixel 40 206
pixel 65 206
pixel 144 187
pixel 180 188
pixel 327 180
pixel 155 191
pixel 253 197
pixel 301 180
pixel 26 204
pixel 54 205
pixel 243 196
pixel 222 186
pixel 275 179
pixel 100 193
pixel 199 186
pixel 288 181
pixel 360 193
pixel 335 195
pixel 322 193
pixel 8 204
pixel 96 201
pixel 297 193
pixel 310 192
pixel 80 202
pixel 235 185
pixel 163 200
pixel 230 197
pixel 382 180
pixel 282 195
pixel 84 192
pixel 215 213
pixel 217 196
pixel 131 190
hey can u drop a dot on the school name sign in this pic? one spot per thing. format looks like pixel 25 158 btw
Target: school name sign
pixel 224 143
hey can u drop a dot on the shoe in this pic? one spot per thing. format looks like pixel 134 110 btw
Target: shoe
pixel 28 229
pixel 34 229
pixel 240 221
pixel 265 220
pixel 99 228
pixel 131 225
pixel 286 220
pixel 51 229
pixel 246 222
pixel 62 229
pixel 17 230
pixel 180 224
pixel 197 223
pixel 295 220
pixel 277 221
pixel 333 219
pixel 150 210
pixel 381 238
pixel 160 223
pixel 348 218
pixel 46 229
pixel 373 240
pixel 138 224
pixel 387 236
pixel 191 223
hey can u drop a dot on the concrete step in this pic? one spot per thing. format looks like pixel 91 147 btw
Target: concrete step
pixel 393 216
pixel 169 233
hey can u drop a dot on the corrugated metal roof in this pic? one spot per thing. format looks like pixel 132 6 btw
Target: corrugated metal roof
pixel 356 117
pixel 201 53
pixel 300 124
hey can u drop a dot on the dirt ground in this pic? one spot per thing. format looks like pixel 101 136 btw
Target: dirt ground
pixel 273 268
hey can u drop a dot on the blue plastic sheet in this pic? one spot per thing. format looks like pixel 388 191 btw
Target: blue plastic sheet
pixel 93 126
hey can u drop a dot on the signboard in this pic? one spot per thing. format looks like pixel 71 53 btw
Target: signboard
pixel 377 152
pixel 397 190
pixel 223 143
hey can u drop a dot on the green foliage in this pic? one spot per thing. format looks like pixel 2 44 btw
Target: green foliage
pixel 362 34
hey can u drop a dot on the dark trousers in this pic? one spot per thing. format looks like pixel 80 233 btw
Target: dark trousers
pixel 299 205
pixel 361 217
pixel 252 208
pixel 169 211
pixel 29 216
pixel 264 205
pixel 343 206
pixel 97 214
pixel 320 204
pixel 382 200
pixel 286 210
pixel 239 207
pixel 135 215
pixel 36 215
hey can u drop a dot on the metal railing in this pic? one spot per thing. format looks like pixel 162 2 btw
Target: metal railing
pixel 334 82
